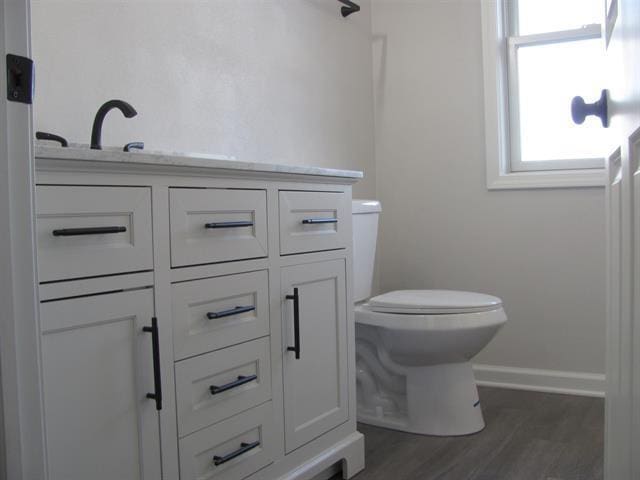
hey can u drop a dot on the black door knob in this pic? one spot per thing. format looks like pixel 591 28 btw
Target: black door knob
pixel 580 110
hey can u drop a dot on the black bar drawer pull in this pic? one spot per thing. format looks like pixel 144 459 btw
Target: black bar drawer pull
pixel 296 322
pixel 244 448
pixel 242 379
pixel 73 232
pixel 232 311
pixel 214 225
pixel 313 221
pixel 157 379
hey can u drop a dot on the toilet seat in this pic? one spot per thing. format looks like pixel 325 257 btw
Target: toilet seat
pixel 433 302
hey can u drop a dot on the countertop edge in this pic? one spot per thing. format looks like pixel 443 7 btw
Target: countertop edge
pixel 47 154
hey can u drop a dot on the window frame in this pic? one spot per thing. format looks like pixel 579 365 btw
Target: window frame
pixel 505 170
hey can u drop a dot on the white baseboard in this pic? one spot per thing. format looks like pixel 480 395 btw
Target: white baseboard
pixel 552 381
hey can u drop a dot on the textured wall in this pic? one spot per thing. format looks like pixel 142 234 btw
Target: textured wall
pixel 285 81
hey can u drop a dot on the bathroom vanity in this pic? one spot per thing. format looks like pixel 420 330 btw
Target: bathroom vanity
pixel 196 317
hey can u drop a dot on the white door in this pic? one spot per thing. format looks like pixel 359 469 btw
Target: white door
pixel 22 445
pixel 622 443
pixel 316 375
pixel 97 371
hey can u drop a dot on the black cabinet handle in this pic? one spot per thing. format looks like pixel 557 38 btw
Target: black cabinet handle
pixel 50 136
pixel 157 380
pixel 232 311
pixel 242 379
pixel 74 232
pixel 296 322
pixel 311 221
pixel 244 448
pixel 229 224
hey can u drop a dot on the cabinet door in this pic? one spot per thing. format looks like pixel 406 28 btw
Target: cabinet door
pixel 97 370
pixel 316 383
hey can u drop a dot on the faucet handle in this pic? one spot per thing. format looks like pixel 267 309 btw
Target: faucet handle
pixel 133 146
pixel 50 136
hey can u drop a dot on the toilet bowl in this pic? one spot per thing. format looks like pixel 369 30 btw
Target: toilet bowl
pixel 426 352
pixel 413 347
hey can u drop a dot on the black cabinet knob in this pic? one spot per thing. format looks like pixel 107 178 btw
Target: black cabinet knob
pixel 581 110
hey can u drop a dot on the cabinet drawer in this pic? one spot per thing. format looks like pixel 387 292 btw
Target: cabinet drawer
pixel 239 446
pixel 217 225
pixel 90 231
pixel 312 221
pixel 217 312
pixel 217 385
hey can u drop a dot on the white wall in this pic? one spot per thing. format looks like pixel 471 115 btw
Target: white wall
pixel 541 251
pixel 285 81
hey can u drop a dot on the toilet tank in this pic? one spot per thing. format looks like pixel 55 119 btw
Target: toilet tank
pixel 365 234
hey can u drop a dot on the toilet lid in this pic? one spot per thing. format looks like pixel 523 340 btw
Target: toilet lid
pixel 433 302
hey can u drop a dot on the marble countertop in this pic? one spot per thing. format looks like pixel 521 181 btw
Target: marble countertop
pixel 75 152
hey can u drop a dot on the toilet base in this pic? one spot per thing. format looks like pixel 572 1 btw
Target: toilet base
pixel 442 400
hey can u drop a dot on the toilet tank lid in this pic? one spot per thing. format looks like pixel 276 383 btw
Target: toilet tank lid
pixel 365 206
pixel 433 302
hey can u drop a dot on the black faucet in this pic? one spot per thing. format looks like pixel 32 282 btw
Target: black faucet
pixel 96 132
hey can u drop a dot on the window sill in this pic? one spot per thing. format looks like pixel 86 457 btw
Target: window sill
pixel 547 179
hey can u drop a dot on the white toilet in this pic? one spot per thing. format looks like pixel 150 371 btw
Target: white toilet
pixel 414 347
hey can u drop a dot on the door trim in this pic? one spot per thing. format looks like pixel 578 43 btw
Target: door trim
pixel 22 403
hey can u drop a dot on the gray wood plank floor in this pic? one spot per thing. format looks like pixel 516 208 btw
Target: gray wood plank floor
pixel 529 436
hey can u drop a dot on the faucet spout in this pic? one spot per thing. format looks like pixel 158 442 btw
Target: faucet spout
pixel 96 132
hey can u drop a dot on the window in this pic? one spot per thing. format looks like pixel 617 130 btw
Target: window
pixel 538 55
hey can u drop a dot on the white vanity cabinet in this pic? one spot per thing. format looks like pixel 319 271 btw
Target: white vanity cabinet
pixel 222 287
